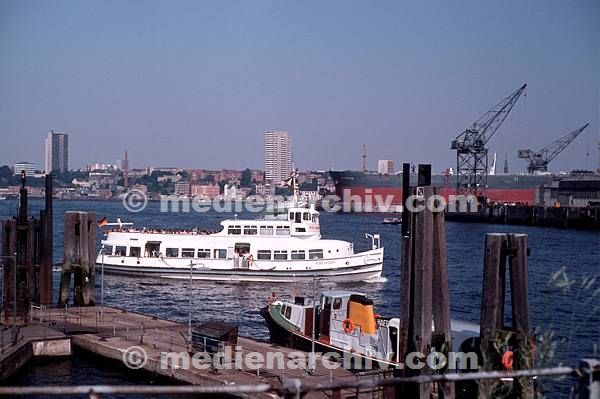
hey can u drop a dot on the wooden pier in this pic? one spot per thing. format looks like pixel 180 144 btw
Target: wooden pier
pixel 117 333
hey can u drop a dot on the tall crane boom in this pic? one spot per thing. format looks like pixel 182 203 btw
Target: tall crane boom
pixel 471 153
pixel 538 161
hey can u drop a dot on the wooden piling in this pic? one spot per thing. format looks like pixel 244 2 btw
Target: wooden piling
pixel 442 333
pixel 28 280
pixel 424 287
pixel 496 338
pixel 79 258
pixel 46 249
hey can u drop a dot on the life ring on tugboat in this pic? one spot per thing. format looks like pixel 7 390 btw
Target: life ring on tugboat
pixel 507 360
pixel 348 326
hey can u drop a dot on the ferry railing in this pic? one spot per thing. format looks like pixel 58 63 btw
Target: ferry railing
pixel 586 373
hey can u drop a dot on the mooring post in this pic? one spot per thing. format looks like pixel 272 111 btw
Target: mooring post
pixel 79 258
pixel 442 333
pixel 423 275
pixel 506 347
pixel 424 282
pixel 46 243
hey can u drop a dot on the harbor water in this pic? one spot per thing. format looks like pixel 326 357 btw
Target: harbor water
pixel 561 306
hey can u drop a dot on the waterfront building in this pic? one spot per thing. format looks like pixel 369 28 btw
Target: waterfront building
pixel 258 176
pixel 262 189
pixel 28 167
pixel 168 178
pixel 182 187
pixel 385 167
pixel 101 166
pixel 56 152
pixel 209 191
pixel 577 190
pixel 141 188
pixel 278 156
pixel 102 177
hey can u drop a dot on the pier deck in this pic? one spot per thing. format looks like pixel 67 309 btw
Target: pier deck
pixel 119 330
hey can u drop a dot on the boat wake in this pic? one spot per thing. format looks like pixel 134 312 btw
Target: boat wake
pixel 380 279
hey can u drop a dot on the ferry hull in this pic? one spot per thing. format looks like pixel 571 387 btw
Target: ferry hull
pixel 362 267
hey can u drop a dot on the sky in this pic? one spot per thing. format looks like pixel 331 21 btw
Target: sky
pixel 197 83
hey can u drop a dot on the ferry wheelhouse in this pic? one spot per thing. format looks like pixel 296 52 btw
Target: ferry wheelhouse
pixel 282 247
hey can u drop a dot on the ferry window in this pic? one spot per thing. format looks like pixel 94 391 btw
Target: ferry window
pixel 120 250
pixel 135 251
pixel 337 303
pixel 250 230
pixel 266 230
pixel 172 252
pixel 283 231
pixel 298 217
pixel 220 253
pixel 204 253
pixel 108 250
pixel 288 312
pixel 280 255
pixel 291 216
pixel 315 254
pixel 315 218
pixel 306 216
pixel 263 254
pixel 299 254
pixel 187 252
pixel 234 230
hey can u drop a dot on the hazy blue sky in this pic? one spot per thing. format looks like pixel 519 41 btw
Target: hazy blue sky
pixel 197 83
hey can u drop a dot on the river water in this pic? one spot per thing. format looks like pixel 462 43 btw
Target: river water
pixel 562 307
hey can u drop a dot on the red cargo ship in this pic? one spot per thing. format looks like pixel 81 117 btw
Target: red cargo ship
pixel 351 185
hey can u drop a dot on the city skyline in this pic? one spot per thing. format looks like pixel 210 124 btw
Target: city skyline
pixel 338 76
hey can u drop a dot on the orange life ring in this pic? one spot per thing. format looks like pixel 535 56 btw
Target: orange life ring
pixel 348 326
pixel 507 360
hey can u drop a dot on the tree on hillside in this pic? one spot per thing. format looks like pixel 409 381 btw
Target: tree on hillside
pixel 246 179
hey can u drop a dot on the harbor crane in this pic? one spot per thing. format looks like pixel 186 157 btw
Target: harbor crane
pixel 538 161
pixel 471 151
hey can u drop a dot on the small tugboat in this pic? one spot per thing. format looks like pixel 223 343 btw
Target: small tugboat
pixel 284 246
pixel 391 221
pixel 346 323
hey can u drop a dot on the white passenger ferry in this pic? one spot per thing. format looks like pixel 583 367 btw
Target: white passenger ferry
pixel 284 247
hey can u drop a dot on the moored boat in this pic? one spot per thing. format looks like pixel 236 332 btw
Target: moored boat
pixel 345 323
